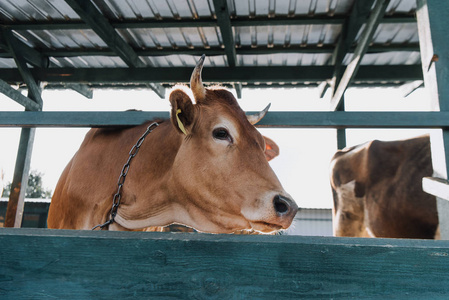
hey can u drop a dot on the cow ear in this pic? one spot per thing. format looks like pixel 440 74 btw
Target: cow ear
pixel 271 148
pixel 182 111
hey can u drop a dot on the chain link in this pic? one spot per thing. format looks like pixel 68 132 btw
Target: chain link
pixel 121 180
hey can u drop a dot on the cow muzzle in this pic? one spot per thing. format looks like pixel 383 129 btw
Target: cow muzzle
pixel 284 206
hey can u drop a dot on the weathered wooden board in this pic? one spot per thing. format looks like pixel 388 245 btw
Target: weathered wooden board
pixel 339 119
pixel 46 264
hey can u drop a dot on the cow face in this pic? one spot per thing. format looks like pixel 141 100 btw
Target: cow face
pixel 223 179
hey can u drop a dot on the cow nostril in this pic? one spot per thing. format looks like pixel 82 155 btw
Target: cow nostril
pixel 281 205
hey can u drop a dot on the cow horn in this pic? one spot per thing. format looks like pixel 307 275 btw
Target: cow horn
pixel 196 84
pixel 255 118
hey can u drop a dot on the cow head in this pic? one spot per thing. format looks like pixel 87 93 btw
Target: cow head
pixel 221 173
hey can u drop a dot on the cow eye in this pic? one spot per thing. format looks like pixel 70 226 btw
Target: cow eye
pixel 222 134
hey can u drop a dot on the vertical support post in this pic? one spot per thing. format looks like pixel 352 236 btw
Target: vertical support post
pixel 14 212
pixel 433 33
pixel 341 132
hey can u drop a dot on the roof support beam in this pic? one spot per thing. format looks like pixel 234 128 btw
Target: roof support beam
pixel 214 74
pixel 215 51
pixel 31 55
pixel 17 49
pixel 82 89
pixel 224 22
pixel 14 211
pixel 362 46
pixel 359 14
pixel 259 21
pixel 90 14
pixel 17 96
pixel 238 89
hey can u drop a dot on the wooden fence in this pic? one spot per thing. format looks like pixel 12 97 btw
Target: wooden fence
pixel 47 264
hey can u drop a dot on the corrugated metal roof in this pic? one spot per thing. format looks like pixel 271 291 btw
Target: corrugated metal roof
pixel 172 33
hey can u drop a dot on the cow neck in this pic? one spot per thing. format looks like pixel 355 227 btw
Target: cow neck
pixel 121 181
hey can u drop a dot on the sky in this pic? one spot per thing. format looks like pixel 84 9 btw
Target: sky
pixel 303 163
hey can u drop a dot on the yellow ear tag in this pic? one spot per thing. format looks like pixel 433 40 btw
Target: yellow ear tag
pixel 180 125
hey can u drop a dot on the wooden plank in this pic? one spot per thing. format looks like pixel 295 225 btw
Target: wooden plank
pixel 215 74
pixel 128 265
pixel 337 119
pixel 362 46
pixel 436 186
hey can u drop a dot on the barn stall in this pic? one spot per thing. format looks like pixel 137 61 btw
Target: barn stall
pixel 89 45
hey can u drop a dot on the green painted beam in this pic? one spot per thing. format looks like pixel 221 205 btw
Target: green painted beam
pixel 259 85
pixel 188 23
pixel 216 51
pixel 82 89
pixel 338 119
pixel 98 22
pixel 70 264
pixel 352 25
pixel 17 96
pixel 14 211
pixel 31 55
pixel 215 74
pixel 18 49
pixel 362 45
pixel 157 88
pixel 238 90
pixel 224 23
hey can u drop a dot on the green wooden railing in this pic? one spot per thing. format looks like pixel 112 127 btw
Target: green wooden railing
pixel 47 264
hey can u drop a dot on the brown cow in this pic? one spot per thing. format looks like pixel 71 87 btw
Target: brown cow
pixel 377 190
pixel 205 168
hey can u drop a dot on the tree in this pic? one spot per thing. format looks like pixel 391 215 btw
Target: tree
pixel 34 188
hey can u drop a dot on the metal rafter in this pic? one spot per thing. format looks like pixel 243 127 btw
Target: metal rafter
pixel 362 46
pixel 17 96
pixel 224 23
pixel 216 51
pixel 98 22
pixel 17 49
pixel 359 14
pixel 273 74
pixel 32 56
pixel 241 22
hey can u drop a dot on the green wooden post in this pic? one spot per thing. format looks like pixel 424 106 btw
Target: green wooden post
pixel 433 34
pixel 14 212
pixel 341 132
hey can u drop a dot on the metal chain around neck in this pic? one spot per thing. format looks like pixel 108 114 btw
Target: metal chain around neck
pixel 121 180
